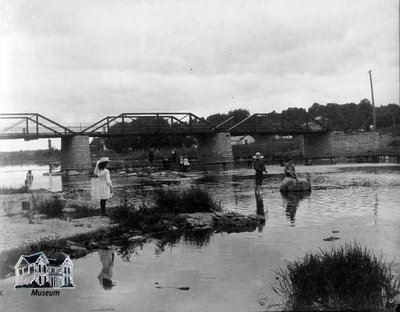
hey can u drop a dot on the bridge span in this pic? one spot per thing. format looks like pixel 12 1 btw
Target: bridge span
pixel 215 141
pixel 31 126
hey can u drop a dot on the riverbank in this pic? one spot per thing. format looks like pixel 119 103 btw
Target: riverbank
pixel 25 231
pixel 21 227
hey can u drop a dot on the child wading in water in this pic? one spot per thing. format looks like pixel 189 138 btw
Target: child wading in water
pixel 104 186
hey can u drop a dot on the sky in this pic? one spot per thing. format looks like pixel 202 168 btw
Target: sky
pixel 76 62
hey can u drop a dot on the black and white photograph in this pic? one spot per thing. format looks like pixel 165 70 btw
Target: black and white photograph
pixel 199 155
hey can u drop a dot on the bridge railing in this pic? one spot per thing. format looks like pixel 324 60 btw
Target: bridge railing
pixel 26 125
pixel 143 123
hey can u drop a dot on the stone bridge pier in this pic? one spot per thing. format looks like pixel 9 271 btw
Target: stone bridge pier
pixel 215 148
pixel 75 153
pixel 340 144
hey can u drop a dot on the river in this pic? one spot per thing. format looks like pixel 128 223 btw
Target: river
pixel 221 271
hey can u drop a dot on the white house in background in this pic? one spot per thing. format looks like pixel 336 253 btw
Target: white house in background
pixel 37 270
pixel 283 137
pixel 242 140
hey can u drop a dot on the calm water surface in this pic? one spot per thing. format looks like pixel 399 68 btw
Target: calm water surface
pixel 231 272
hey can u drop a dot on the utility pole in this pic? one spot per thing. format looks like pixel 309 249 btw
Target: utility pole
pixel 373 103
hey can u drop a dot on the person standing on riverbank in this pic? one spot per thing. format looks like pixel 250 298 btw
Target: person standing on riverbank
pixel 259 167
pixel 29 179
pixel 104 185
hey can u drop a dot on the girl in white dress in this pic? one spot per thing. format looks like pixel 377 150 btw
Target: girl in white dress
pixel 104 185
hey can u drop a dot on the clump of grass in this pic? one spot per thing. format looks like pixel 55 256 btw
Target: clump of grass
pixel 13 190
pixel 138 218
pixel 191 200
pixel 51 207
pixel 342 278
pixel 162 216
pixel 84 211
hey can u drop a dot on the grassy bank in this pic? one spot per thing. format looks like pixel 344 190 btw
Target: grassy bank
pixel 13 190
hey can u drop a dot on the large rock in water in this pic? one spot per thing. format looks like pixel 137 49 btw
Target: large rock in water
pixel 291 185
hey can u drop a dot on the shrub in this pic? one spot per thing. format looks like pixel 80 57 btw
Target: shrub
pixel 139 218
pixel 84 211
pixel 161 216
pixel 343 278
pixel 12 190
pixel 51 207
pixel 189 200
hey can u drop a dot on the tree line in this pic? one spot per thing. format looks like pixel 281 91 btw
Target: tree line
pixel 336 117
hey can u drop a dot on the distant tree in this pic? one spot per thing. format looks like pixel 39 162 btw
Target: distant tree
pixel 216 119
pixel 388 115
pixel 239 114
pixel 347 117
pixel 317 110
pixel 294 115
pixel 96 144
pixel 190 141
pixel 364 114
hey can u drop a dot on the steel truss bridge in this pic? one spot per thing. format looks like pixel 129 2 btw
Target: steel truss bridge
pixel 31 126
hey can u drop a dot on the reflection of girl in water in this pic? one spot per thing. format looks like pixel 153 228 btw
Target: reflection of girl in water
pixel 105 276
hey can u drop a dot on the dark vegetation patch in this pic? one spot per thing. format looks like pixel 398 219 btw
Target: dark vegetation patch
pixel 191 200
pixel 163 215
pixel 51 207
pixel 13 190
pixel 83 211
pixel 345 278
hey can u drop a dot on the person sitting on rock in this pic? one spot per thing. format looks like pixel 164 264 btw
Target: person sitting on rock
pixel 290 170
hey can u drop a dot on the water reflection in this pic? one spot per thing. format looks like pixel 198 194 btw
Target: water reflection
pixel 292 200
pixel 260 209
pixel 163 242
pixel 260 204
pixel 106 274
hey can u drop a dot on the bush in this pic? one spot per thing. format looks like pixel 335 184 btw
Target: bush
pixel 168 203
pixel 51 207
pixel 190 200
pixel 139 218
pixel 84 211
pixel 342 278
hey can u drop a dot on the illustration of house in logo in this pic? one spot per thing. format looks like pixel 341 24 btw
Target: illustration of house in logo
pixel 37 271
